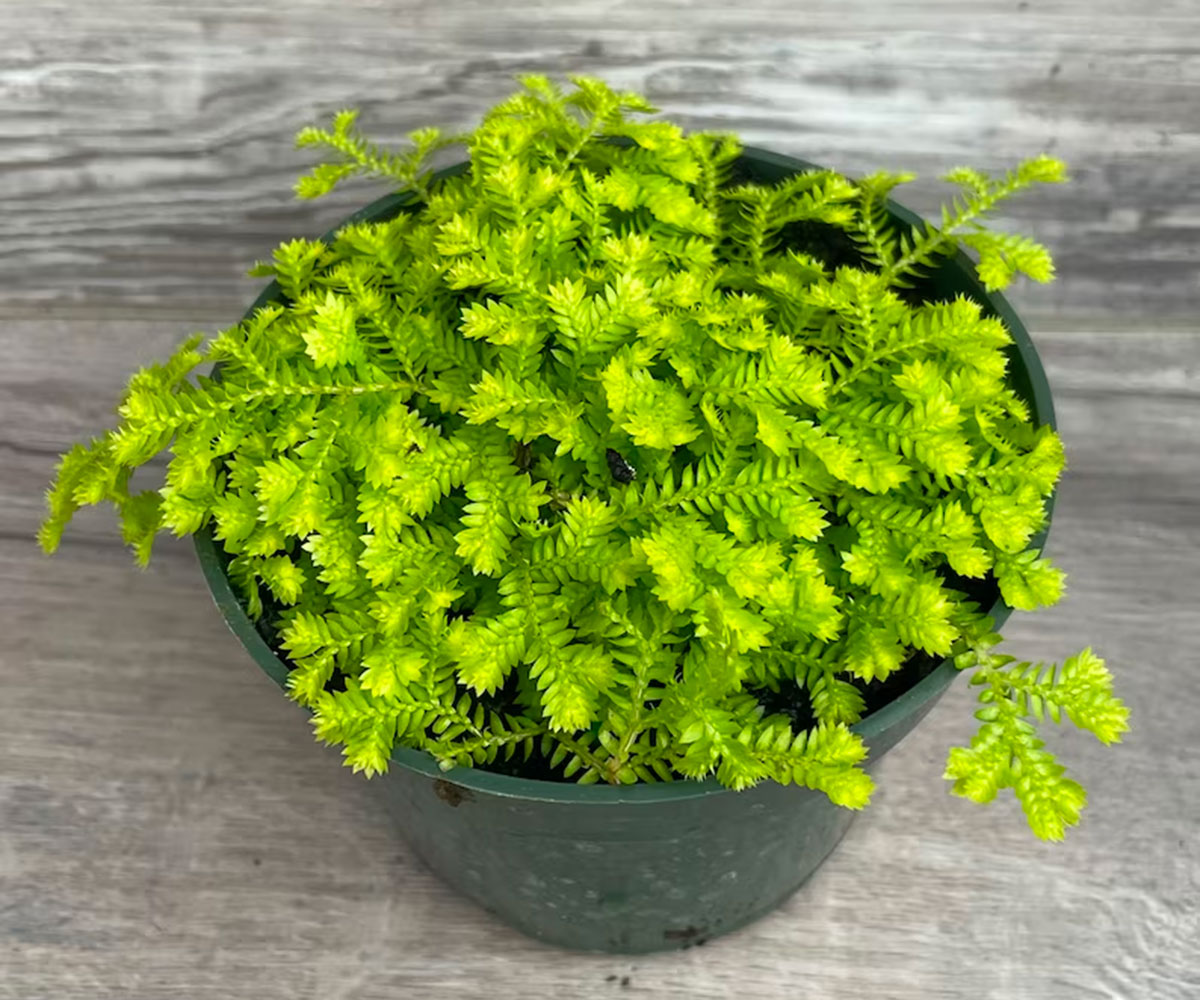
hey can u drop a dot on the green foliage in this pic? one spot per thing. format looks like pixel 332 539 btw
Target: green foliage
pixel 588 448
pixel 1006 752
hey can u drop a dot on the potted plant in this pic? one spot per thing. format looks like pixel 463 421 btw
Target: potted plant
pixel 616 491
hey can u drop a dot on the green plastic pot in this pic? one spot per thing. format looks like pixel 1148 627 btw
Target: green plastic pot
pixel 644 867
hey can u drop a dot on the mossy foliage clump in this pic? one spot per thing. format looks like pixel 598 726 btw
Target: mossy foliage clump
pixel 590 448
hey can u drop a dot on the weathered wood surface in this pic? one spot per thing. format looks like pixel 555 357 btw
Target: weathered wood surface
pixel 168 828
pixel 146 160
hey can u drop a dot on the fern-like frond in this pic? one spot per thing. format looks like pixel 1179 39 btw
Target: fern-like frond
pixel 1006 752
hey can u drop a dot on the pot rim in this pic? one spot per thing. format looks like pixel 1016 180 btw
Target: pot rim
pixel 508 786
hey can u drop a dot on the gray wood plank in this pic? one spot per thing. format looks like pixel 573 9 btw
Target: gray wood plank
pixel 145 148
pixel 168 828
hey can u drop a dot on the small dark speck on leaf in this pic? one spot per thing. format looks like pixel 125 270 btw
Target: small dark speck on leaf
pixel 257 862
pixel 620 469
pixel 611 979
pixel 593 49
pixel 1055 70
pixel 625 982
pixel 1022 5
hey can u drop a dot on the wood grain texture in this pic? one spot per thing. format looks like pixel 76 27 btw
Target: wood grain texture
pixel 168 827
pixel 146 157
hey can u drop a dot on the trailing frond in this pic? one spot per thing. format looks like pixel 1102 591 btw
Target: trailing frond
pixel 961 219
pixel 1006 752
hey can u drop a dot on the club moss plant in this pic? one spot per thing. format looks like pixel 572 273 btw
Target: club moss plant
pixel 595 456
